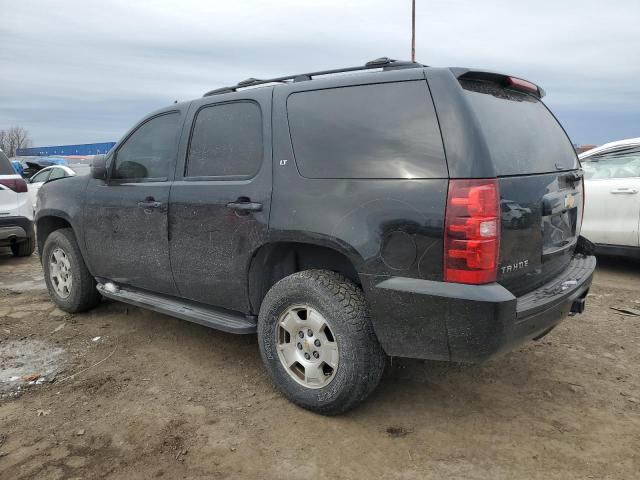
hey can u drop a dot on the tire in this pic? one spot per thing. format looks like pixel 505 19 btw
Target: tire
pixel 82 294
pixel 342 305
pixel 25 248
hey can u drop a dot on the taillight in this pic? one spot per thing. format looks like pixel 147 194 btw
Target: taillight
pixel 18 185
pixel 521 84
pixel 472 231
pixel 583 202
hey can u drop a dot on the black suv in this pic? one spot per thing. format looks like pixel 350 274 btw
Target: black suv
pixel 344 215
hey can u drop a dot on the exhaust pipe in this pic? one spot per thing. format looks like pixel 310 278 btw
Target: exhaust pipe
pixel 578 306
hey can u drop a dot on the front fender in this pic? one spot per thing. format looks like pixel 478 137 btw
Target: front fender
pixel 61 204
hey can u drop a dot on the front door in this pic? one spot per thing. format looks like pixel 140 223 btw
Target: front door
pixel 220 200
pixel 126 216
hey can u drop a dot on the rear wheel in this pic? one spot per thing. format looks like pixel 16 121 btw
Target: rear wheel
pixel 24 248
pixel 68 280
pixel 317 341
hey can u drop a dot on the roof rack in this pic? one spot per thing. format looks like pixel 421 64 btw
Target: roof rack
pixel 385 63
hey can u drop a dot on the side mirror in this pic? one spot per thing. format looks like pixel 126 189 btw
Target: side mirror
pixel 99 167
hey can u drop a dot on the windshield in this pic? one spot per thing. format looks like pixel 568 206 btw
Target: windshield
pixel 522 136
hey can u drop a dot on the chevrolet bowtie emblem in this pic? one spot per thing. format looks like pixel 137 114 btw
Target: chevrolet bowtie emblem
pixel 569 201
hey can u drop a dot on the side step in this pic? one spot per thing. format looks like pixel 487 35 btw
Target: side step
pixel 220 319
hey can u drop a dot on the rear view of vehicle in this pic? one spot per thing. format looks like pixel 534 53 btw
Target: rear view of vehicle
pixel 514 210
pixel 16 215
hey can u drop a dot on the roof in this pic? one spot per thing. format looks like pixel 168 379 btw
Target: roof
pixel 384 63
pixel 610 146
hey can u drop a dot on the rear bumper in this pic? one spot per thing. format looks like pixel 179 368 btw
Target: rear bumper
pixel 471 323
pixel 15 229
pixel 617 250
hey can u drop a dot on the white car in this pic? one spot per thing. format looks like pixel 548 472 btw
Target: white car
pixel 16 212
pixel 612 197
pixel 51 173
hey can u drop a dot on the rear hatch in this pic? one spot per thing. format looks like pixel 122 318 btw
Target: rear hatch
pixel 539 181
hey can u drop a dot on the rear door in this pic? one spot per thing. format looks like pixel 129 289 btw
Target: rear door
pixel 125 218
pixel 539 181
pixel 612 185
pixel 221 198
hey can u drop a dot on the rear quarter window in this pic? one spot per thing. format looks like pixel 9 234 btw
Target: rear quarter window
pixel 386 130
pixel 522 135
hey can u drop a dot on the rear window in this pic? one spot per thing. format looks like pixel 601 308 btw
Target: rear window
pixel 523 137
pixel 5 165
pixel 386 130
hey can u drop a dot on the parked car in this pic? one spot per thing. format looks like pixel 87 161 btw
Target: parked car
pixel 16 214
pixel 52 173
pixel 612 188
pixel 34 165
pixel 322 212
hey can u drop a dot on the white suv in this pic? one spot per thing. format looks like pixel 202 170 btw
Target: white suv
pixel 16 212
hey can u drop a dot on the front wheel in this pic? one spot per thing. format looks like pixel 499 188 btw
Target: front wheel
pixel 318 343
pixel 68 280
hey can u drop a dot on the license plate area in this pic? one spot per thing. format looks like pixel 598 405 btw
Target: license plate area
pixel 559 231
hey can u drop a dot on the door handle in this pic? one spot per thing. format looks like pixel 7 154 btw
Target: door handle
pixel 627 190
pixel 245 206
pixel 149 202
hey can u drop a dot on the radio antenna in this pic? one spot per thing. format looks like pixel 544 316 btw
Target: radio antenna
pixel 413 30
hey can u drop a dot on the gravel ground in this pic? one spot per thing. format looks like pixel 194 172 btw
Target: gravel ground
pixel 131 394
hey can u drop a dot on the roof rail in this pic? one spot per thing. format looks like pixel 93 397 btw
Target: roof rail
pixel 385 63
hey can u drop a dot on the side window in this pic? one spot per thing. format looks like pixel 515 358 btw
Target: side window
pixel 623 163
pixel 386 130
pixel 41 176
pixel 226 141
pixel 150 152
pixel 57 173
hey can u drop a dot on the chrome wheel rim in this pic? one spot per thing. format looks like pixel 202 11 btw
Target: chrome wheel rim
pixel 60 273
pixel 307 346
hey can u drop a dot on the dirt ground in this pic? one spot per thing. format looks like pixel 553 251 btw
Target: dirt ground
pixel 131 394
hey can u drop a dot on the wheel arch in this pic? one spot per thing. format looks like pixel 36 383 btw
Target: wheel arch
pixel 49 222
pixel 276 260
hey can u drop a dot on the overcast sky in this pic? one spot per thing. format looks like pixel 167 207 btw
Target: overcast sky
pixel 80 71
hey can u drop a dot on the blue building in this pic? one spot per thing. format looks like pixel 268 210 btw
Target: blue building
pixel 82 149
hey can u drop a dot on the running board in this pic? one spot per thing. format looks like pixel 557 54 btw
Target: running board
pixel 219 319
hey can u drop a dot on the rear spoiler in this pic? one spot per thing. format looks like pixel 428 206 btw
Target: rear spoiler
pixel 506 81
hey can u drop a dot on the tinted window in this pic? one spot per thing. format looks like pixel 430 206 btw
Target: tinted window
pixel 42 176
pixel 57 173
pixel 522 135
pixel 226 141
pixel 371 131
pixel 5 165
pixel 619 163
pixel 150 152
